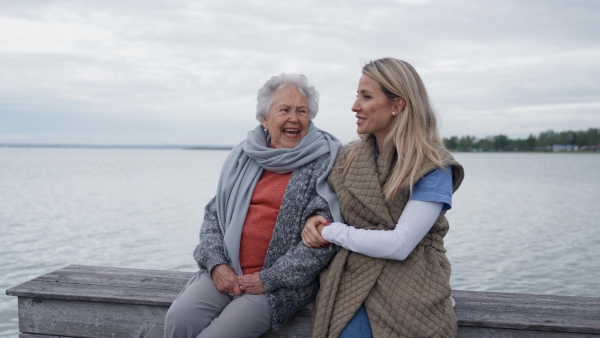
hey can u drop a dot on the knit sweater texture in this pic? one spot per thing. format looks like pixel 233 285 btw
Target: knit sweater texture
pixel 409 298
pixel 290 271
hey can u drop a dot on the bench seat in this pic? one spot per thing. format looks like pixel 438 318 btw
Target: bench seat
pixel 94 301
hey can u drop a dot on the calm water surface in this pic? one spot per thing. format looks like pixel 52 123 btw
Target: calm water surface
pixel 523 223
pixel 527 223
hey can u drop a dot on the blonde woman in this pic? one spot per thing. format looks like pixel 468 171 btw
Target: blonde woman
pixel 391 279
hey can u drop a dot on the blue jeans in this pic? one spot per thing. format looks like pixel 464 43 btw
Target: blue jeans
pixel 358 326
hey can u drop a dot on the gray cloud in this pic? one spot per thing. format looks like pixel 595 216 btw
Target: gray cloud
pixel 187 72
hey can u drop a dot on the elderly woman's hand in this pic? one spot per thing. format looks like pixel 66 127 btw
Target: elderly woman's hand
pixel 251 284
pixel 311 235
pixel 225 279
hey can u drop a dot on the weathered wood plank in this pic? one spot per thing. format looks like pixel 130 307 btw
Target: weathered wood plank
pixel 106 279
pixel 538 322
pixel 519 311
pixel 109 301
pixel 299 327
pixel 94 293
pixel 486 332
pixel 90 319
pixel 479 298
pixel 97 319
pixel 117 271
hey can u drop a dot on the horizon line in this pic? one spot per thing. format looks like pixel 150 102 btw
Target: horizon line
pixel 120 146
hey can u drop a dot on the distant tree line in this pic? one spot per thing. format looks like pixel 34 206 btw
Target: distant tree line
pixel 546 141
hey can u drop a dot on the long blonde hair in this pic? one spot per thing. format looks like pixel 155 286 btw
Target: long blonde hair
pixel 414 131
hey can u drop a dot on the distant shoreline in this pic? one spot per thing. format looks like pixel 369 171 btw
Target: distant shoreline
pixel 224 147
pixel 118 146
pixel 454 151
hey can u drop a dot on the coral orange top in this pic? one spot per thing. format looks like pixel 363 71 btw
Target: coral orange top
pixel 260 220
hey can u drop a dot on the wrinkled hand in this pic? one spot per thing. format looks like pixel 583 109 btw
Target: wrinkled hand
pixel 225 279
pixel 251 284
pixel 311 234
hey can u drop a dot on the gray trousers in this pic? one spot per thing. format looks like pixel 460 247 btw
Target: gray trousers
pixel 201 311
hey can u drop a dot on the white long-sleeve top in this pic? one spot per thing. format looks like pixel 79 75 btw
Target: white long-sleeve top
pixel 414 223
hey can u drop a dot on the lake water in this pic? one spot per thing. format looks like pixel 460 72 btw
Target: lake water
pixel 522 223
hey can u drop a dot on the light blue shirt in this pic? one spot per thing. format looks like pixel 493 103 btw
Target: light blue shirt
pixel 435 186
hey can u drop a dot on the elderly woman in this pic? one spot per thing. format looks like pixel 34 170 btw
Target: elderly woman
pixel 255 273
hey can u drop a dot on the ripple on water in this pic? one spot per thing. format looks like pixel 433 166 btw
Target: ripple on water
pixel 520 223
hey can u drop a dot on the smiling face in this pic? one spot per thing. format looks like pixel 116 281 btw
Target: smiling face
pixel 287 120
pixel 374 109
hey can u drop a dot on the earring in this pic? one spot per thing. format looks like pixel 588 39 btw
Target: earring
pixel 265 130
pixel 393 113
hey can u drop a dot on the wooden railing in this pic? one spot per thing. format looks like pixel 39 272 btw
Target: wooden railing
pixel 92 301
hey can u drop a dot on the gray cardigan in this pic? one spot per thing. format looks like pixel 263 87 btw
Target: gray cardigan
pixel 290 272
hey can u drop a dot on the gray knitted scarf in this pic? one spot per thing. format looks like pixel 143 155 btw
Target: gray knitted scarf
pixel 243 167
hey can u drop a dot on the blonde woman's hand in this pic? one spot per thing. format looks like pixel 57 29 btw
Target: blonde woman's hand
pixel 251 284
pixel 311 234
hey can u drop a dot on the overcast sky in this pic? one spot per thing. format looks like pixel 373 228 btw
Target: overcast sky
pixel 187 72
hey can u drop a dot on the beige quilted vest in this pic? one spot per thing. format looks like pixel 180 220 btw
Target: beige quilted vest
pixel 409 298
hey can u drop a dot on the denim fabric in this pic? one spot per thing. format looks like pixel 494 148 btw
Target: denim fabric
pixel 359 326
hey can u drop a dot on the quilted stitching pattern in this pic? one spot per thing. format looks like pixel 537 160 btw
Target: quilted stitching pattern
pixel 409 298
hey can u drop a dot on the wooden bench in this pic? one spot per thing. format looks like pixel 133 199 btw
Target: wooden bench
pixel 92 301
